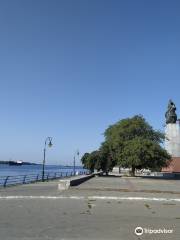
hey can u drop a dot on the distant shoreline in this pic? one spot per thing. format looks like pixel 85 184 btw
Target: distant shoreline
pixel 23 163
pixel 29 163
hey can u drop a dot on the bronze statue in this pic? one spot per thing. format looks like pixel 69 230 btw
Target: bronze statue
pixel 170 115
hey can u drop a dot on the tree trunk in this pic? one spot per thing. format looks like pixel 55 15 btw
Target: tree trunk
pixel 133 171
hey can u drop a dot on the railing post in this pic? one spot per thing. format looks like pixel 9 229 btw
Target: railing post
pixel 24 179
pixel 47 176
pixel 5 181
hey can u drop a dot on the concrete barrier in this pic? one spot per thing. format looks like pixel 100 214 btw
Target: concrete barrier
pixel 73 181
pixel 163 175
pixel 63 184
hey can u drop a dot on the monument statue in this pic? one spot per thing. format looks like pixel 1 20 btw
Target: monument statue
pixel 172 138
pixel 170 115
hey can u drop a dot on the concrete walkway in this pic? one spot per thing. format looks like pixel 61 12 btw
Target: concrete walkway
pixel 101 208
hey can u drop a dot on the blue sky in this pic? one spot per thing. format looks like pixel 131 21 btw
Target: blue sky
pixel 69 69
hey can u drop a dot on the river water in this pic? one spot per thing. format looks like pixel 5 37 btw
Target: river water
pixel 6 170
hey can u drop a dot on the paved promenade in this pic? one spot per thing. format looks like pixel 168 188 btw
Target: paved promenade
pixel 101 208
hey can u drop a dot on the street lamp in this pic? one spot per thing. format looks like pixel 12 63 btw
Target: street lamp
pixel 49 141
pixel 74 163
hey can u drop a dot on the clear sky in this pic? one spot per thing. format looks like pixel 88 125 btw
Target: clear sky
pixel 70 68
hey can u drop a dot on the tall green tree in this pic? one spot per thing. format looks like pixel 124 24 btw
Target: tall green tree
pixel 99 160
pixel 106 158
pixel 134 143
pixel 91 160
pixel 84 159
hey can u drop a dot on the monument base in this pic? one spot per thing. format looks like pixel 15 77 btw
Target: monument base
pixel 172 145
pixel 174 166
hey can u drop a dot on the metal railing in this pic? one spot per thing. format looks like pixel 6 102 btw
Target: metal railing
pixel 30 178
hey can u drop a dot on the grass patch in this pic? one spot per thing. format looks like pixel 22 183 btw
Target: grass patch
pixel 89 206
pixel 147 206
pixel 88 212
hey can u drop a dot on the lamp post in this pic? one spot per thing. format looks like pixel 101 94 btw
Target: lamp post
pixel 74 163
pixel 49 140
pixel 78 155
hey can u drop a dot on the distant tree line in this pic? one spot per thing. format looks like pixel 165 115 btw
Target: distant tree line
pixel 130 143
pixel 4 162
pixel 23 163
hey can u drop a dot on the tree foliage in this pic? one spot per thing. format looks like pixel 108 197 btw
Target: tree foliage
pixel 99 160
pixel 91 160
pixel 132 143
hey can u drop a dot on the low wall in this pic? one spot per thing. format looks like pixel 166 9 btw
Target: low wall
pixel 81 179
pixel 164 175
pixel 74 181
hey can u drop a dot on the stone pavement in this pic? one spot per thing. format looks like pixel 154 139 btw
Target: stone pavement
pixel 101 208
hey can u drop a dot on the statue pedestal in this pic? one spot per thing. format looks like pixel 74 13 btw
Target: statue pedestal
pixel 172 142
pixel 172 145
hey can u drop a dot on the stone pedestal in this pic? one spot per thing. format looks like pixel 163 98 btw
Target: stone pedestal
pixel 172 145
pixel 172 142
